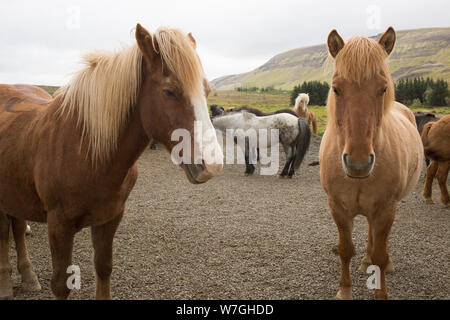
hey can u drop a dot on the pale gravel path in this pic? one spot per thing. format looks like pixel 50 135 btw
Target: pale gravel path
pixel 240 237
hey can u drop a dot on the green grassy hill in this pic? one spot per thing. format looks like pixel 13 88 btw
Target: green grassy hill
pixel 421 52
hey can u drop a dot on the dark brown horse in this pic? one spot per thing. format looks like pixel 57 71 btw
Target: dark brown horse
pixel 71 161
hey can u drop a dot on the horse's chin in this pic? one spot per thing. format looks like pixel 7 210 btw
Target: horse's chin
pixel 196 173
pixel 358 178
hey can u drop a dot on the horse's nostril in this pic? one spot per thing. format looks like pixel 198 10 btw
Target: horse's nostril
pixel 345 158
pixel 371 159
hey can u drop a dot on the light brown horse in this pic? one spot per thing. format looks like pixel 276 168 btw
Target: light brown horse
pixel 301 109
pixel 371 154
pixel 71 161
pixel 436 141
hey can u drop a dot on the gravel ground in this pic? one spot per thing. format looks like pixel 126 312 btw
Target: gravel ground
pixel 239 237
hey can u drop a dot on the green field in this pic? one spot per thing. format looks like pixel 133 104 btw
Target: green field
pixel 273 102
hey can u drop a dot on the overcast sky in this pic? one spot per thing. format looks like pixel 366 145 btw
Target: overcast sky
pixel 41 41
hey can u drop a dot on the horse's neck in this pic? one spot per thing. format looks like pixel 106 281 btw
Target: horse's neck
pixel 132 142
pixel 302 112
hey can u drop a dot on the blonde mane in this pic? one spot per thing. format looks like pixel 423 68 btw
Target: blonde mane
pixel 362 59
pixel 105 91
pixel 179 54
pixel 302 101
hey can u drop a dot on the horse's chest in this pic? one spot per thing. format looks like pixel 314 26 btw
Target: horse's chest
pixel 110 204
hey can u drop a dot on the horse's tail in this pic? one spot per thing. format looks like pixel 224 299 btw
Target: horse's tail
pixel 303 141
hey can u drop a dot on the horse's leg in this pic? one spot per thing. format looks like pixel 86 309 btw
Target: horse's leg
pixel 346 250
pixel 29 279
pixel 61 234
pixel 427 189
pixel 253 157
pixel 367 260
pixel 381 224
pixel 288 151
pixel 442 174
pixel 6 287
pixel 249 168
pixel 291 162
pixel 314 123
pixel 102 240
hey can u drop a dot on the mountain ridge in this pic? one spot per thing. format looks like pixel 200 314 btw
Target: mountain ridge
pixel 418 52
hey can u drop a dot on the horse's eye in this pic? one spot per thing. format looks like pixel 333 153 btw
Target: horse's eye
pixel 336 91
pixel 384 91
pixel 169 94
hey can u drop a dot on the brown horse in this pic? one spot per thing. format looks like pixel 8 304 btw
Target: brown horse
pixel 301 109
pixel 436 141
pixel 71 161
pixel 371 154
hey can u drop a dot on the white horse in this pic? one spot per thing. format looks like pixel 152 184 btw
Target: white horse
pixel 294 135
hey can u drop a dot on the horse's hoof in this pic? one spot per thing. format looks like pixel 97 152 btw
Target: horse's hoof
pixel 31 286
pixel 380 295
pixel 290 177
pixel 6 292
pixel 446 203
pixel 429 201
pixel 344 293
pixel 28 230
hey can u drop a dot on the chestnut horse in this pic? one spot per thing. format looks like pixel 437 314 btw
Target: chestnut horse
pixel 436 141
pixel 71 161
pixel 301 109
pixel 371 154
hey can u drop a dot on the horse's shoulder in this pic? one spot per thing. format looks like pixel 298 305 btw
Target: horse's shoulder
pixel 405 111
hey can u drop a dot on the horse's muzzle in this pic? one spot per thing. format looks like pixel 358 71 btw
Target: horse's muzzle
pixel 200 173
pixel 358 169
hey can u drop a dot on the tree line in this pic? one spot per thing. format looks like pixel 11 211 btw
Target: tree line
pixel 420 91
pixel 411 92
pixel 317 91
pixel 269 89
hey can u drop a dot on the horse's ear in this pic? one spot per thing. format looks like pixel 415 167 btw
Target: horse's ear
pixel 335 43
pixel 387 40
pixel 145 42
pixel 192 39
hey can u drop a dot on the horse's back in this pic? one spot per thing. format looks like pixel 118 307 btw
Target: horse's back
pixel 24 93
pixel 405 111
pixel 436 139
